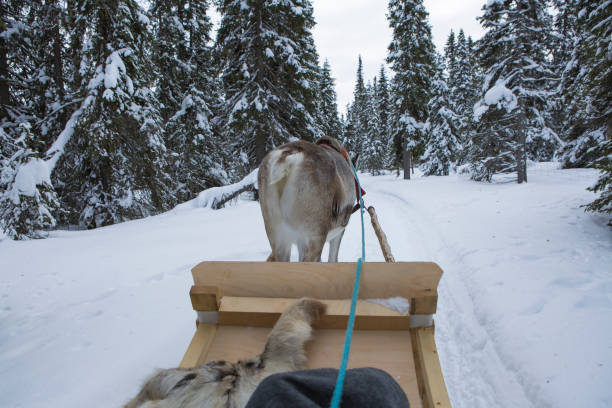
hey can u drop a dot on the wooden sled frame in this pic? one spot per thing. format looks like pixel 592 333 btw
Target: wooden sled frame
pixel 237 303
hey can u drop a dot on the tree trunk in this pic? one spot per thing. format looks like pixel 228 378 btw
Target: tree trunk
pixel 76 31
pixel 4 88
pixel 521 154
pixel 58 62
pixel 407 165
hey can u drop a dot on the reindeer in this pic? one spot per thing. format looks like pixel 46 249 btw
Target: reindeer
pixel 307 194
pixel 222 384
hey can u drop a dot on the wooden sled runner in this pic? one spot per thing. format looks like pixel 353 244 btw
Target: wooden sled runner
pixel 246 298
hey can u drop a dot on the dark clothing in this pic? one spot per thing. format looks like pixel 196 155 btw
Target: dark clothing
pixel 363 387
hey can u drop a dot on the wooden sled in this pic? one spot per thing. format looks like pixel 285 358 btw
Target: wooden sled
pixel 246 298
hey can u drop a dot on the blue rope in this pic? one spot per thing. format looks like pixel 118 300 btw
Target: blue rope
pixel 335 402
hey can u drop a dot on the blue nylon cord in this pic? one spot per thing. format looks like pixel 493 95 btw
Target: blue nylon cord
pixel 335 402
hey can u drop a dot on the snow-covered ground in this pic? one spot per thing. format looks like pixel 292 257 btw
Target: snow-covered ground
pixel 524 316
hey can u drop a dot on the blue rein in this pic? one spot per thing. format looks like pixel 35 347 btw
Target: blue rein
pixel 337 396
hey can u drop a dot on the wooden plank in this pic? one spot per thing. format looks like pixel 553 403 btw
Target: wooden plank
pixel 321 280
pixel 424 302
pixel 431 381
pixel 198 348
pixel 204 298
pixel 264 312
pixel 390 351
pixel 418 368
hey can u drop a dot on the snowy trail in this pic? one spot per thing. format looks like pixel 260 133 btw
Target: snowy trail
pixel 474 372
pixel 524 309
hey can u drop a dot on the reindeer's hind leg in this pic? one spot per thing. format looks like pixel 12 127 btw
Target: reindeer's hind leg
pixel 281 252
pixel 310 251
pixel 334 247
pixel 284 349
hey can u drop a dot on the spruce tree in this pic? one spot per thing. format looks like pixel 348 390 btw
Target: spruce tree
pixel 581 111
pixel 592 123
pixel 450 59
pixel 374 148
pixel 269 72
pixel 348 129
pixel 513 105
pixel 34 107
pixel 26 208
pixel 384 113
pixel 412 57
pixel 442 142
pixel 328 107
pixel 359 114
pixel 464 94
pixel 113 165
pixel 186 91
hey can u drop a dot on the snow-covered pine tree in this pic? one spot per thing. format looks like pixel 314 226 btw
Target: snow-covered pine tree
pixel 578 104
pixel 603 186
pixel 348 128
pixel 359 116
pixel 412 57
pixel 328 107
pixel 375 147
pixel 113 166
pixel 384 112
pixel 450 59
pixel 564 36
pixel 591 124
pixel 14 64
pixel 34 107
pixel 52 106
pixel 26 208
pixel 269 72
pixel 464 94
pixel 517 85
pixel 186 91
pixel 31 62
pixel 442 142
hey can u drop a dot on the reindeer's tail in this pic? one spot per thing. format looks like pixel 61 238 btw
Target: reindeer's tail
pixel 281 164
pixel 289 335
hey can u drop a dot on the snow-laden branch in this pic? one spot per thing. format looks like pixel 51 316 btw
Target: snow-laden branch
pixel 37 171
pixel 57 149
pixel 216 197
pixel 499 96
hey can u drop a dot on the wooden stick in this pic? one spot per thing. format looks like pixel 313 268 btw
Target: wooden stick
pixel 380 234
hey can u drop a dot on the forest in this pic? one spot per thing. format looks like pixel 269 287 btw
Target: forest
pixel 112 110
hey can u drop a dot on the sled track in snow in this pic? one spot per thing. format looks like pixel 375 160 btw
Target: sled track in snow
pixel 475 374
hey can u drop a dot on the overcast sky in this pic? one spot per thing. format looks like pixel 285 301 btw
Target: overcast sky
pixel 347 28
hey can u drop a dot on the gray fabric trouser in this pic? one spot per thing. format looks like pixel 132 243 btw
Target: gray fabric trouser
pixel 363 387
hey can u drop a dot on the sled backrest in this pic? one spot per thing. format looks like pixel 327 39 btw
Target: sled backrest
pixel 417 281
